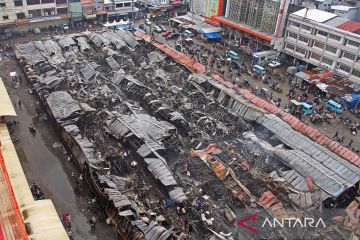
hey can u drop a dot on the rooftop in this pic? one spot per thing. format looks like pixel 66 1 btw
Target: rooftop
pixel 342 8
pixel 329 19
pixel 315 15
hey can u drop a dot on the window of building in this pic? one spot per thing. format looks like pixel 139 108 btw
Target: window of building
pixel 306 27
pixel 315 56
pixel 35 13
pixel 18 3
pixel 49 11
pixel 20 15
pixel 61 11
pixel 32 2
pixel 356 73
pixel 128 4
pixel 301 50
pixel 348 55
pixel 5 17
pixel 327 61
pixel 295 24
pixel 303 39
pixel 353 43
pixel 335 37
pixel 119 5
pixel 319 44
pixel 330 49
pixel 292 35
pixel 61 1
pixel 2 4
pixel 290 46
pixel 322 33
pixel 344 68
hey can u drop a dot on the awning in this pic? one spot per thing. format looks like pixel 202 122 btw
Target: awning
pixel 91 16
pixel 6 107
pixel 213 35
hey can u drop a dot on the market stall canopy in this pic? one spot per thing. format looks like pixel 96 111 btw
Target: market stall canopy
pixel 6 107
pixel 351 100
pixel 115 23
pixel 213 35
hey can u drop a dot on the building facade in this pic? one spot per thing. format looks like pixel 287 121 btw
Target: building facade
pixel 261 22
pixel 325 40
pixel 163 8
pixel 207 8
pixel 33 12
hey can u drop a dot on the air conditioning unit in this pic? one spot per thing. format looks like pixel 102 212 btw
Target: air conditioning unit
pixel 52 13
pixel 46 13
pixel 42 14
pixel 30 15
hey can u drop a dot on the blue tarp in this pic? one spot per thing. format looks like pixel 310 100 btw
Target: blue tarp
pixel 351 100
pixel 213 35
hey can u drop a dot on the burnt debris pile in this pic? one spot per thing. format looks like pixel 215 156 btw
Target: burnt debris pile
pixel 171 154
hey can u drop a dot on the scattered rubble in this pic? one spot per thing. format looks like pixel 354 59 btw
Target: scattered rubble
pixel 160 146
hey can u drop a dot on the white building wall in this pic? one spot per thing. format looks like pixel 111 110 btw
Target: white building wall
pixel 331 53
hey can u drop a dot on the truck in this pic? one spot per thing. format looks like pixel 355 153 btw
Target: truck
pixel 262 58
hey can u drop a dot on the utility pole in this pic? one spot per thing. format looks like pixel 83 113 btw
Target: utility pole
pixel 132 13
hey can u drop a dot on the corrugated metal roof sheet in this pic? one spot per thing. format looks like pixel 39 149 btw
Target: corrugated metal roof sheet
pixel 315 15
pixel 334 22
pixel 350 26
pixel 62 105
pixel 323 174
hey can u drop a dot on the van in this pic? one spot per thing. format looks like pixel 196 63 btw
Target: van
pixel 188 33
pixel 233 55
pixel 333 106
pixel 259 70
pixel 307 109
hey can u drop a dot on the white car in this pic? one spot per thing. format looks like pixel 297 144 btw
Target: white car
pixel 147 22
pixel 157 29
pixel 274 64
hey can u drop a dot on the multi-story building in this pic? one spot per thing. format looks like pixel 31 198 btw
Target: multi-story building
pixel 207 8
pixel 167 8
pixel 260 22
pixel 34 13
pixel 325 40
pixel 348 12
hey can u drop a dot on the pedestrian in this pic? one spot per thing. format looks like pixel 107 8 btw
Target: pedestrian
pixel 19 103
pixel 186 223
pixel 336 134
pixel 190 229
pixel 70 233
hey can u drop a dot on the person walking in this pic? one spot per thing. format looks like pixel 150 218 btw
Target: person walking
pixel 19 103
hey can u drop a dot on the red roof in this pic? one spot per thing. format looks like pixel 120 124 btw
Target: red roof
pixel 350 26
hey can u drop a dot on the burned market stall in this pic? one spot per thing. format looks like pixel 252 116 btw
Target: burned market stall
pixel 164 149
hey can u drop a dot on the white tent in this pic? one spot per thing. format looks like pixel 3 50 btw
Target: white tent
pixel 115 23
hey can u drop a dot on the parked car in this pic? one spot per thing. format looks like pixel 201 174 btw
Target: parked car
pixel 219 58
pixel 147 22
pixel 173 36
pixel 164 29
pixel 157 29
pixel 233 55
pixel 274 64
pixel 167 33
pixel 188 34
